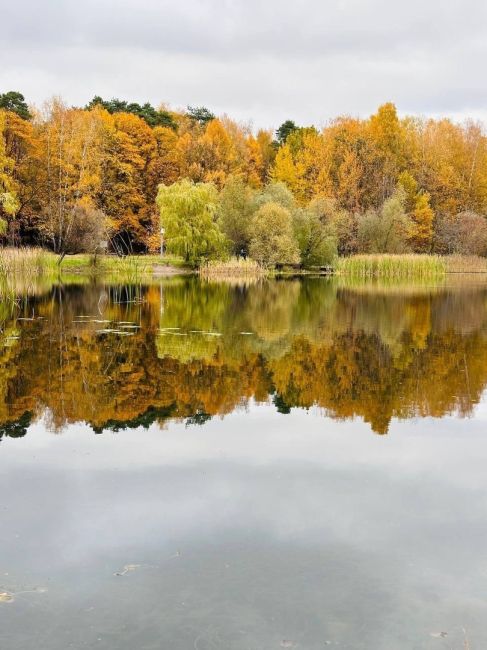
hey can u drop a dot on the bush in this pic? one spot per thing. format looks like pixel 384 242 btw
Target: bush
pixel 464 234
pixel 271 236
pixel 85 231
pixel 316 240
pixel 234 213
pixel 386 230
pixel 275 192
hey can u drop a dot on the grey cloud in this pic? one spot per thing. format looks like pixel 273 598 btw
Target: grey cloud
pixel 245 28
pixel 262 60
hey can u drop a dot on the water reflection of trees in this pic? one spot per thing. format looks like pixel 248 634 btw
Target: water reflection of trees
pixel 375 354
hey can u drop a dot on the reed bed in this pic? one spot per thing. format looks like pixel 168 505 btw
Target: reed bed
pixel 392 266
pixel 21 269
pixel 466 264
pixel 232 268
pixel 131 269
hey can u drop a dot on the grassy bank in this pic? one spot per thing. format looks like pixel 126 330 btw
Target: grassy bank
pixel 24 270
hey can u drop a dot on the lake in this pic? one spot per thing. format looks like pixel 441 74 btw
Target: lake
pixel 278 464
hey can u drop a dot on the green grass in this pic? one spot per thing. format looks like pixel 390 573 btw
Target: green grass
pixel 138 264
pixel 392 266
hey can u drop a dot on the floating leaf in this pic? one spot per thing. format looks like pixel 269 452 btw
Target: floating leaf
pixel 5 597
pixel 127 569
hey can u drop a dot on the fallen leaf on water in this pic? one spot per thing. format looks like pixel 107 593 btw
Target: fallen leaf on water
pixel 126 569
pixel 438 635
pixel 5 597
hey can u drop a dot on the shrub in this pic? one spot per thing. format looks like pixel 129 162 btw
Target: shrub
pixel 271 236
pixel 464 234
pixel 234 213
pixel 316 240
pixel 85 232
pixel 386 230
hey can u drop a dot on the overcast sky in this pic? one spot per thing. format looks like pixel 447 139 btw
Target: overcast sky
pixel 259 60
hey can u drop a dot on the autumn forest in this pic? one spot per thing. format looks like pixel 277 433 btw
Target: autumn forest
pixel 113 172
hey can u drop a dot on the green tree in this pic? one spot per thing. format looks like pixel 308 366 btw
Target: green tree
pixel 316 240
pixel 188 215
pixel 275 192
pixel 234 213
pixel 200 114
pixel 272 238
pixel 15 103
pixel 284 130
pixel 147 112
pixel 386 230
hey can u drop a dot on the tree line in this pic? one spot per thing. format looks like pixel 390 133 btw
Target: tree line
pixel 113 171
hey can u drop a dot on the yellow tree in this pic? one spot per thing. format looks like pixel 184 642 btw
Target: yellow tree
pixel 22 147
pixel 219 156
pixel 127 192
pixel 265 141
pixel 285 169
pixel 387 136
pixel 254 168
pixel 71 150
pixel 417 206
pixel 348 164
pixel 8 199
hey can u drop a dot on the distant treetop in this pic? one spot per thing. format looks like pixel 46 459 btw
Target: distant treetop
pixel 15 102
pixel 147 112
pixel 284 130
pixel 200 114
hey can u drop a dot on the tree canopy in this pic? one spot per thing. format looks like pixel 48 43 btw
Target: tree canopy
pixel 112 156
pixel 146 111
pixel 14 102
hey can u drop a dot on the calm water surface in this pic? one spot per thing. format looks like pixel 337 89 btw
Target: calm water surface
pixel 287 464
